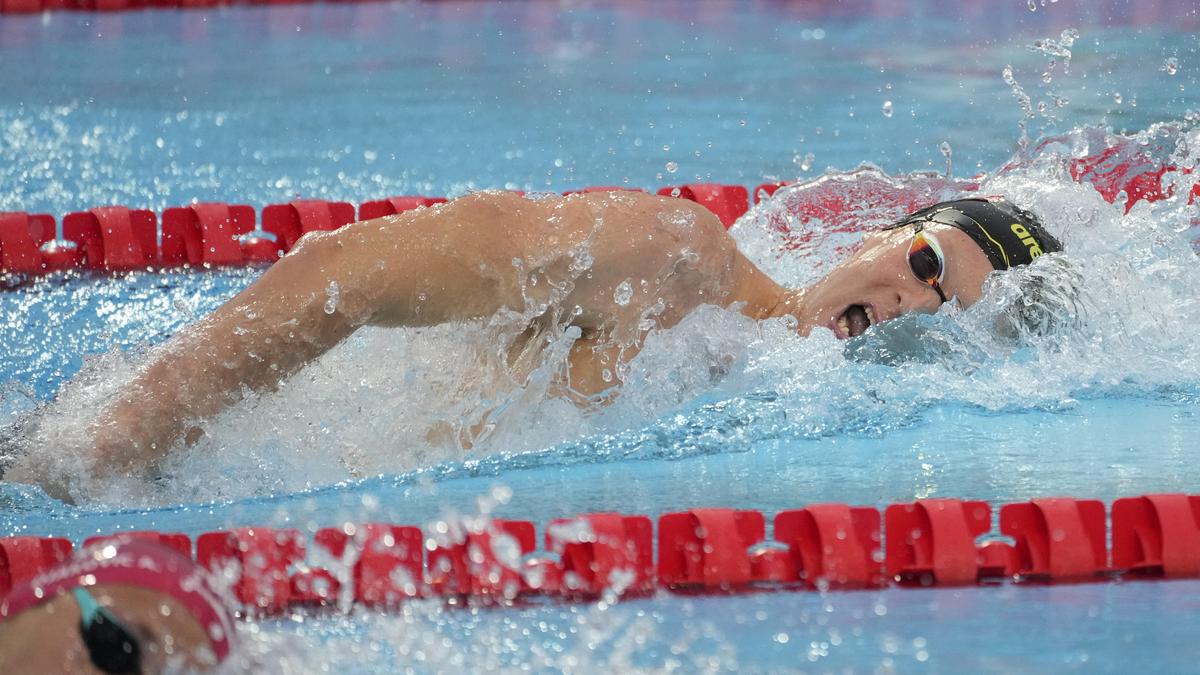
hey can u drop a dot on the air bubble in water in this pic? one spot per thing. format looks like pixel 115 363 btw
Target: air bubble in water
pixel 1117 96
pixel 887 108
pixel 624 293
pixel 807 162
pixel 1032 6
pixel 1170 66
pixel 331 297
pixel 672 167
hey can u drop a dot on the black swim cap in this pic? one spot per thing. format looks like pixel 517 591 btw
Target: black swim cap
pixel 1009 235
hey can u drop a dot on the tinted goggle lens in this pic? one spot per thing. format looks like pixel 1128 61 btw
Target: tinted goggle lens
pixel 925 259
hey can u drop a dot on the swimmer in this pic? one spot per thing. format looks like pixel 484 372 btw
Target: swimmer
pixel 616 265
pixel 125 607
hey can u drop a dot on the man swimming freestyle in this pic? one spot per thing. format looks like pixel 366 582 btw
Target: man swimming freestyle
pixel 615 265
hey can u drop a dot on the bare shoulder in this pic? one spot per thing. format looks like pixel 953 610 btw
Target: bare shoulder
pixel 656 209
pixel 659 222
pixel 489 200
pixel 483 218
pixel 620 210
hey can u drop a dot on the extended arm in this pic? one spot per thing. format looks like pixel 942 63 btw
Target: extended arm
pixel 461 261
pixel 418 269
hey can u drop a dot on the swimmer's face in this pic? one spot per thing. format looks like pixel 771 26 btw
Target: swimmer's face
pixel 877 284
pixel 47 639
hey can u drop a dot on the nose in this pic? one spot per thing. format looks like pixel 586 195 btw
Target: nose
pixel 919 299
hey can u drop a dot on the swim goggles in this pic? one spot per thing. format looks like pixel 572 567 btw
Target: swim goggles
pixel 111 646
pixel 926 260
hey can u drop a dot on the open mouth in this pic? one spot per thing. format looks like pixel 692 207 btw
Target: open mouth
pixel 856 320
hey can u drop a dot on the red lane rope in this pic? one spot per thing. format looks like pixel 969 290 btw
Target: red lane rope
pixel 33 6
pixel 930 542
pixel 117 238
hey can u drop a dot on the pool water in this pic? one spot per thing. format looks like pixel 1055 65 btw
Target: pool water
pixel 157 108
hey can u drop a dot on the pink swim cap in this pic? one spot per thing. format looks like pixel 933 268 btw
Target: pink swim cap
pixel 132 562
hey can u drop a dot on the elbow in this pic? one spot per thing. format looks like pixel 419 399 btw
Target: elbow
pixel 331 278
pixel 317 248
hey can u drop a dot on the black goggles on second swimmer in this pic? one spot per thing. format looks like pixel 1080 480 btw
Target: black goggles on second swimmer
pixel 111 646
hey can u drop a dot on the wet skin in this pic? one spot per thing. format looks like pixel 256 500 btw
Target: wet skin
pixel 616 265
pixel 46 638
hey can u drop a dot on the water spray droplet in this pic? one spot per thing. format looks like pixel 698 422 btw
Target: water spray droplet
pixel 331 297
pixel 1170 66
pixel 947 151
pixel 623 293
pixel 672 167
pixel 887 108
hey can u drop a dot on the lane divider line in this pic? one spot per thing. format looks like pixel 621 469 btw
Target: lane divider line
pixel 926 543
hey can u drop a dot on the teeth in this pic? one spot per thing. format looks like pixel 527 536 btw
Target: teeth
pixel 844 324
pixel 870 315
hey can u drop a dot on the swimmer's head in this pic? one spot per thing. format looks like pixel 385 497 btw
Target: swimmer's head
pixel 125 607
pixel 941 252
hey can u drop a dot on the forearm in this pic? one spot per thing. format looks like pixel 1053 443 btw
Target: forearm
pixel 265 333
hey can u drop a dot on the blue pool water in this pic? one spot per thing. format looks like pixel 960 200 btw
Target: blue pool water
pixel 354 102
